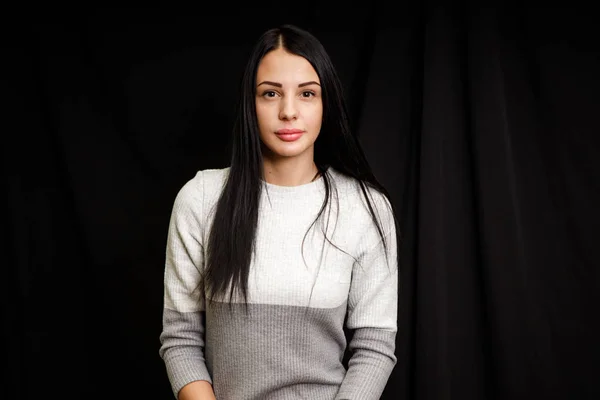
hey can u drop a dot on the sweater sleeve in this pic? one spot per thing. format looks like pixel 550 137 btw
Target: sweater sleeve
pixel 372 316
pixel 182 336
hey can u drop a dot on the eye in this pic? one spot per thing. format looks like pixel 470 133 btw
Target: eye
pixel 269 93
pixel 308 93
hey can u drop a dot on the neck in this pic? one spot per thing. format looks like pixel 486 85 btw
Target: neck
pixel 292 171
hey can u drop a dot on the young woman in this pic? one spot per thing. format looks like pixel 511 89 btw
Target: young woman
pixel 269 259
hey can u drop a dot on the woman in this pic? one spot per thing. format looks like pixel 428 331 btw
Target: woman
pixel 268 259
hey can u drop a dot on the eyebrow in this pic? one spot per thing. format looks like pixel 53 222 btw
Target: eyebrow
pixel 280 85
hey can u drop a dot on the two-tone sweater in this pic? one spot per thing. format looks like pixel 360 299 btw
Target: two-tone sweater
pixel 306 283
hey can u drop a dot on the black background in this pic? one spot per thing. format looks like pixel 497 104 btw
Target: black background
pixel 481 121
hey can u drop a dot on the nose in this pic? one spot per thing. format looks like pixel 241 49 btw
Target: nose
pixel 288 109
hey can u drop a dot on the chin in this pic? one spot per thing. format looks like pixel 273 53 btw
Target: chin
pixel 288 153
pixel 291 149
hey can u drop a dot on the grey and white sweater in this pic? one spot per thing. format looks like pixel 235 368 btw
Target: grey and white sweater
pixel 291 344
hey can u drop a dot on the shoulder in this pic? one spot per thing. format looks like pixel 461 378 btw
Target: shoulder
pixel 350 189
pixel 352 200
pixel 201 190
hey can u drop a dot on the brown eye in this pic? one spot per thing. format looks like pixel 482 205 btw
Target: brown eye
pixel 269 93
pixel 307 94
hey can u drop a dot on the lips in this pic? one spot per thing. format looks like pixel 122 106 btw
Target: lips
pixel 289 135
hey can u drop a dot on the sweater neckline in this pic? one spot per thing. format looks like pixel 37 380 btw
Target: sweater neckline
pixel 314 187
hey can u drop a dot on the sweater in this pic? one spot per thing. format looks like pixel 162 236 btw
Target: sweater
pixel 291 342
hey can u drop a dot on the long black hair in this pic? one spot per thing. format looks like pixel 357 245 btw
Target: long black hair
pixel 232 237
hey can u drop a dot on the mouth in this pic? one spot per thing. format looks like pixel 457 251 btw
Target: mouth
pixel 288 131
pixel 289 135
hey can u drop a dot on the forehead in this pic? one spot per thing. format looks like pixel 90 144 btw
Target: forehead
pixel 281 66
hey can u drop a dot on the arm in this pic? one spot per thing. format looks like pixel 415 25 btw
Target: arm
pixel 372 316
pixel 197 390
pixel 182 336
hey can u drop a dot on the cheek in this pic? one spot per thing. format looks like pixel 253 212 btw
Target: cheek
pixel 315 118
pixel 260 113
pixel 263 117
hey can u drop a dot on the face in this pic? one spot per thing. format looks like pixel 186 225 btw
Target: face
pixel 288 105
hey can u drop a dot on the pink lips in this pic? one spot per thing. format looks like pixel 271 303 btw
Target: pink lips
pixel 289 135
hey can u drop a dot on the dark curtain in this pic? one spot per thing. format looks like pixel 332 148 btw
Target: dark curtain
pixel 481 121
